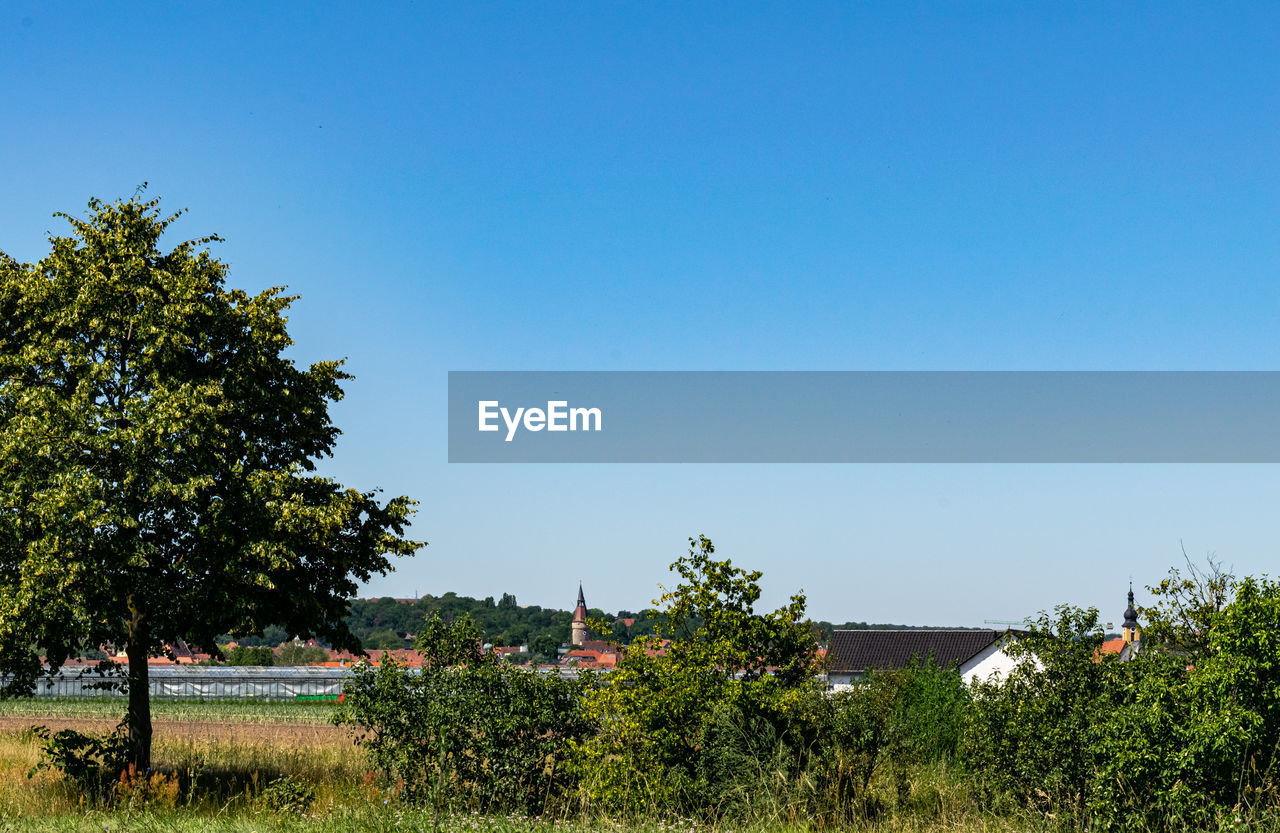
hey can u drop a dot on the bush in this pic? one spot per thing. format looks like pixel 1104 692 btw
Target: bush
pixel 287 795
pixel 293 653
pixel 708 709
pixel 91 762
pixel 1031 734
pixel 253 656
pixel 1183 736
pixel 467 731
pixel 929 713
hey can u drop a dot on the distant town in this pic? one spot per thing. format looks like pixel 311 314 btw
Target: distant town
pixel 590 638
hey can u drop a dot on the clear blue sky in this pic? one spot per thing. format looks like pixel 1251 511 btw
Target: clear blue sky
pixel 735 186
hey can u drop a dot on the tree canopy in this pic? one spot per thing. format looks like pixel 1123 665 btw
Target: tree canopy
pixel 157 459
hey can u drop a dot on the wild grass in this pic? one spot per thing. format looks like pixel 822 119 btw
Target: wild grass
pixel 226 785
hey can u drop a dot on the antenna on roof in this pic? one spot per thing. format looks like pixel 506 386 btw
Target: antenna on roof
pixel 1006 622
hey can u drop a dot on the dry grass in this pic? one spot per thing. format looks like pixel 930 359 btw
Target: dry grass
pixel 216 772
pixel 224 780
pixel 221 777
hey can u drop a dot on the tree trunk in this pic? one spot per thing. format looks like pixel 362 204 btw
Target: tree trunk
pixel 138 718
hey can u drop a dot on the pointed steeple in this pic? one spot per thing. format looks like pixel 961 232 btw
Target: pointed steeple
pixel 1129 631
pixel 1130 613
pixel 578 627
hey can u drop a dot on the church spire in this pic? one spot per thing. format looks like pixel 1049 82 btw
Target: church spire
pixel 582 602
pixel 1130 629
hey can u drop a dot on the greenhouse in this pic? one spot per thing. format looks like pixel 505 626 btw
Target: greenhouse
pixel 206 683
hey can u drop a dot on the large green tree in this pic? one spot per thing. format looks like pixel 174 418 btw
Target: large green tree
pixel 157 458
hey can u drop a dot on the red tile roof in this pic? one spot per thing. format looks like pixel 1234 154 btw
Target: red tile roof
pixel 591 659
pixel 1113 645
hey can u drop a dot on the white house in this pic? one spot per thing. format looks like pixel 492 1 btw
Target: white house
pixel 977 654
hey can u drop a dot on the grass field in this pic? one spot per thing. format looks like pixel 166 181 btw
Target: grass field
pixel 223 782
pixel 221 765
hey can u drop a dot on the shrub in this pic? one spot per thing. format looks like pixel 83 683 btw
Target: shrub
pixel 1031 734
pixel 689 714
pixel 929 713
pixel 494 737
pixel 288 795
pixel 90 761
pixel 254 656
pixel 1184 735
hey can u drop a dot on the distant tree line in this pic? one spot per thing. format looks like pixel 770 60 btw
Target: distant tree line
pixel 290 653
pixel 385 623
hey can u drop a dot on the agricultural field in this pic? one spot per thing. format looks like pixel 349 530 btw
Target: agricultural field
pixel 226 711
pixel 238 721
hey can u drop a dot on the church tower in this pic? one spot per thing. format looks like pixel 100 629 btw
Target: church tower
pixel 1130 632
pixel 578 628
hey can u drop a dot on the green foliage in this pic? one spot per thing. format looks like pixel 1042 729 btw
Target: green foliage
pixel 272 635
pixel 543 647
pixel 1187 605
pixel 295 653
pixel 383 623
pixel 695 702
pixel 1184 735
pixel 1148 751
pixel 1031 732
pixel 892 722
pixel 447 644
pixel 711 621
pixel 91 762
pixel 288 795
pixel 930 713
pixel 466 731
pixel 245 655
pixel 156 456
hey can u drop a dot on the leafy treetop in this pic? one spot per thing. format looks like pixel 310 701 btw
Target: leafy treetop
pixel 157 456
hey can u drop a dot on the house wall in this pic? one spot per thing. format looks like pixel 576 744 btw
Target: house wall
pixel 842 680
pixel 991 660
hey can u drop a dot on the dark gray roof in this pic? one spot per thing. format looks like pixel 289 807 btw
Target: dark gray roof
pixel 858 651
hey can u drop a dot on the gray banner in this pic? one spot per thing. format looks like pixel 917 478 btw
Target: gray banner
pixel 864 417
